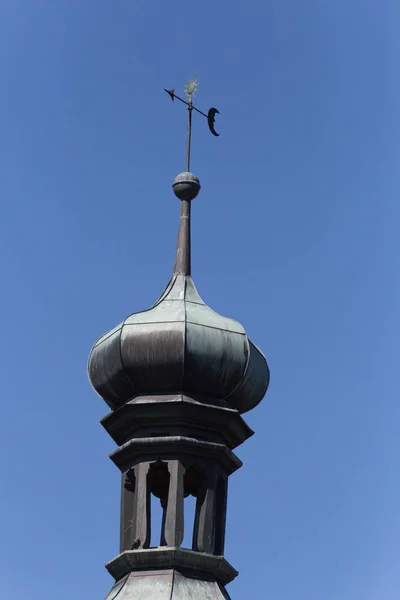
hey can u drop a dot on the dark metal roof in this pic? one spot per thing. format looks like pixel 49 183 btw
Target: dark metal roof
pixel 166 585
pixel 179 345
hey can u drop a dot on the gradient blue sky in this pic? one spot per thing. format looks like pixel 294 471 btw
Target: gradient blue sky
pixel 295 235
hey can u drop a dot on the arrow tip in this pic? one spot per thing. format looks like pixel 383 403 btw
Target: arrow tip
pixel 171 93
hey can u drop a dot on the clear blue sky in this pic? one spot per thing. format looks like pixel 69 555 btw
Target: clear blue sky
pixel 295 235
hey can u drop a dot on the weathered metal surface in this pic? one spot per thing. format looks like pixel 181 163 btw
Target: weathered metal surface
pixel 147 586
pixel 106 370
pixel 198 563
pixel 206 513
pixel 179 415
pixel 182 262
pixel 254 383
pixel 166 585
pixel 180 345
pixel 200 314
pixel 174 516
pixel 153 355
pixel 172 468
pixel 186 588
pixel 141 506
pixel 168 311
pixel 186 187
pixel 116 589
pixel 171 446
pixel 128 507
pixel 215 360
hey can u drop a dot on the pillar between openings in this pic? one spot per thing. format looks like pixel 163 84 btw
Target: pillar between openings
pixel 204 534
pixel 127 500
pixel 173 524
pixel 135 517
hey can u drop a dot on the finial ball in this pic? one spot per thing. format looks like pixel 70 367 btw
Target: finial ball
pixel 186 186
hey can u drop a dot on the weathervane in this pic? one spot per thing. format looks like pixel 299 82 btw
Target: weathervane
pixel 190 90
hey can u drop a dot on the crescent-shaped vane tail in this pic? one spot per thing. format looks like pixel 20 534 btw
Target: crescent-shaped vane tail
pixel 211 120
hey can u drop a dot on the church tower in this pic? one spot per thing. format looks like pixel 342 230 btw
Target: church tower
pixel 177 379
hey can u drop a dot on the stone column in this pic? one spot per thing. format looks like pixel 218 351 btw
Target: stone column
pixel 221 503
pixel 141 507
pixel 173 527
pixel 204 536
pixel 127 501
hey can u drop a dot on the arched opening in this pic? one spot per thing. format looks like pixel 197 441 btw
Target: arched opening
pixel 189 519
pixel 193 483
pixel 156 520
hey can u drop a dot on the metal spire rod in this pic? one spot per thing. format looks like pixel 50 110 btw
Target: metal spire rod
pixel 186 185
pixel 189 135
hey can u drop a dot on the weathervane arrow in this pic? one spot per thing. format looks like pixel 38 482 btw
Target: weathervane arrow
pixel 190 90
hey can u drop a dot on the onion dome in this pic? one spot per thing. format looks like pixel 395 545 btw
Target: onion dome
pixel 180 345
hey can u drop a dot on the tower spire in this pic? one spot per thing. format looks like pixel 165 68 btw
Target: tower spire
pixel 186 185
pixel 177 378
pixel 183 259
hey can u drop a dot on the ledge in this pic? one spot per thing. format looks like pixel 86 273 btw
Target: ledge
pixel 156 447
pixel 171 558
pixel 144 412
